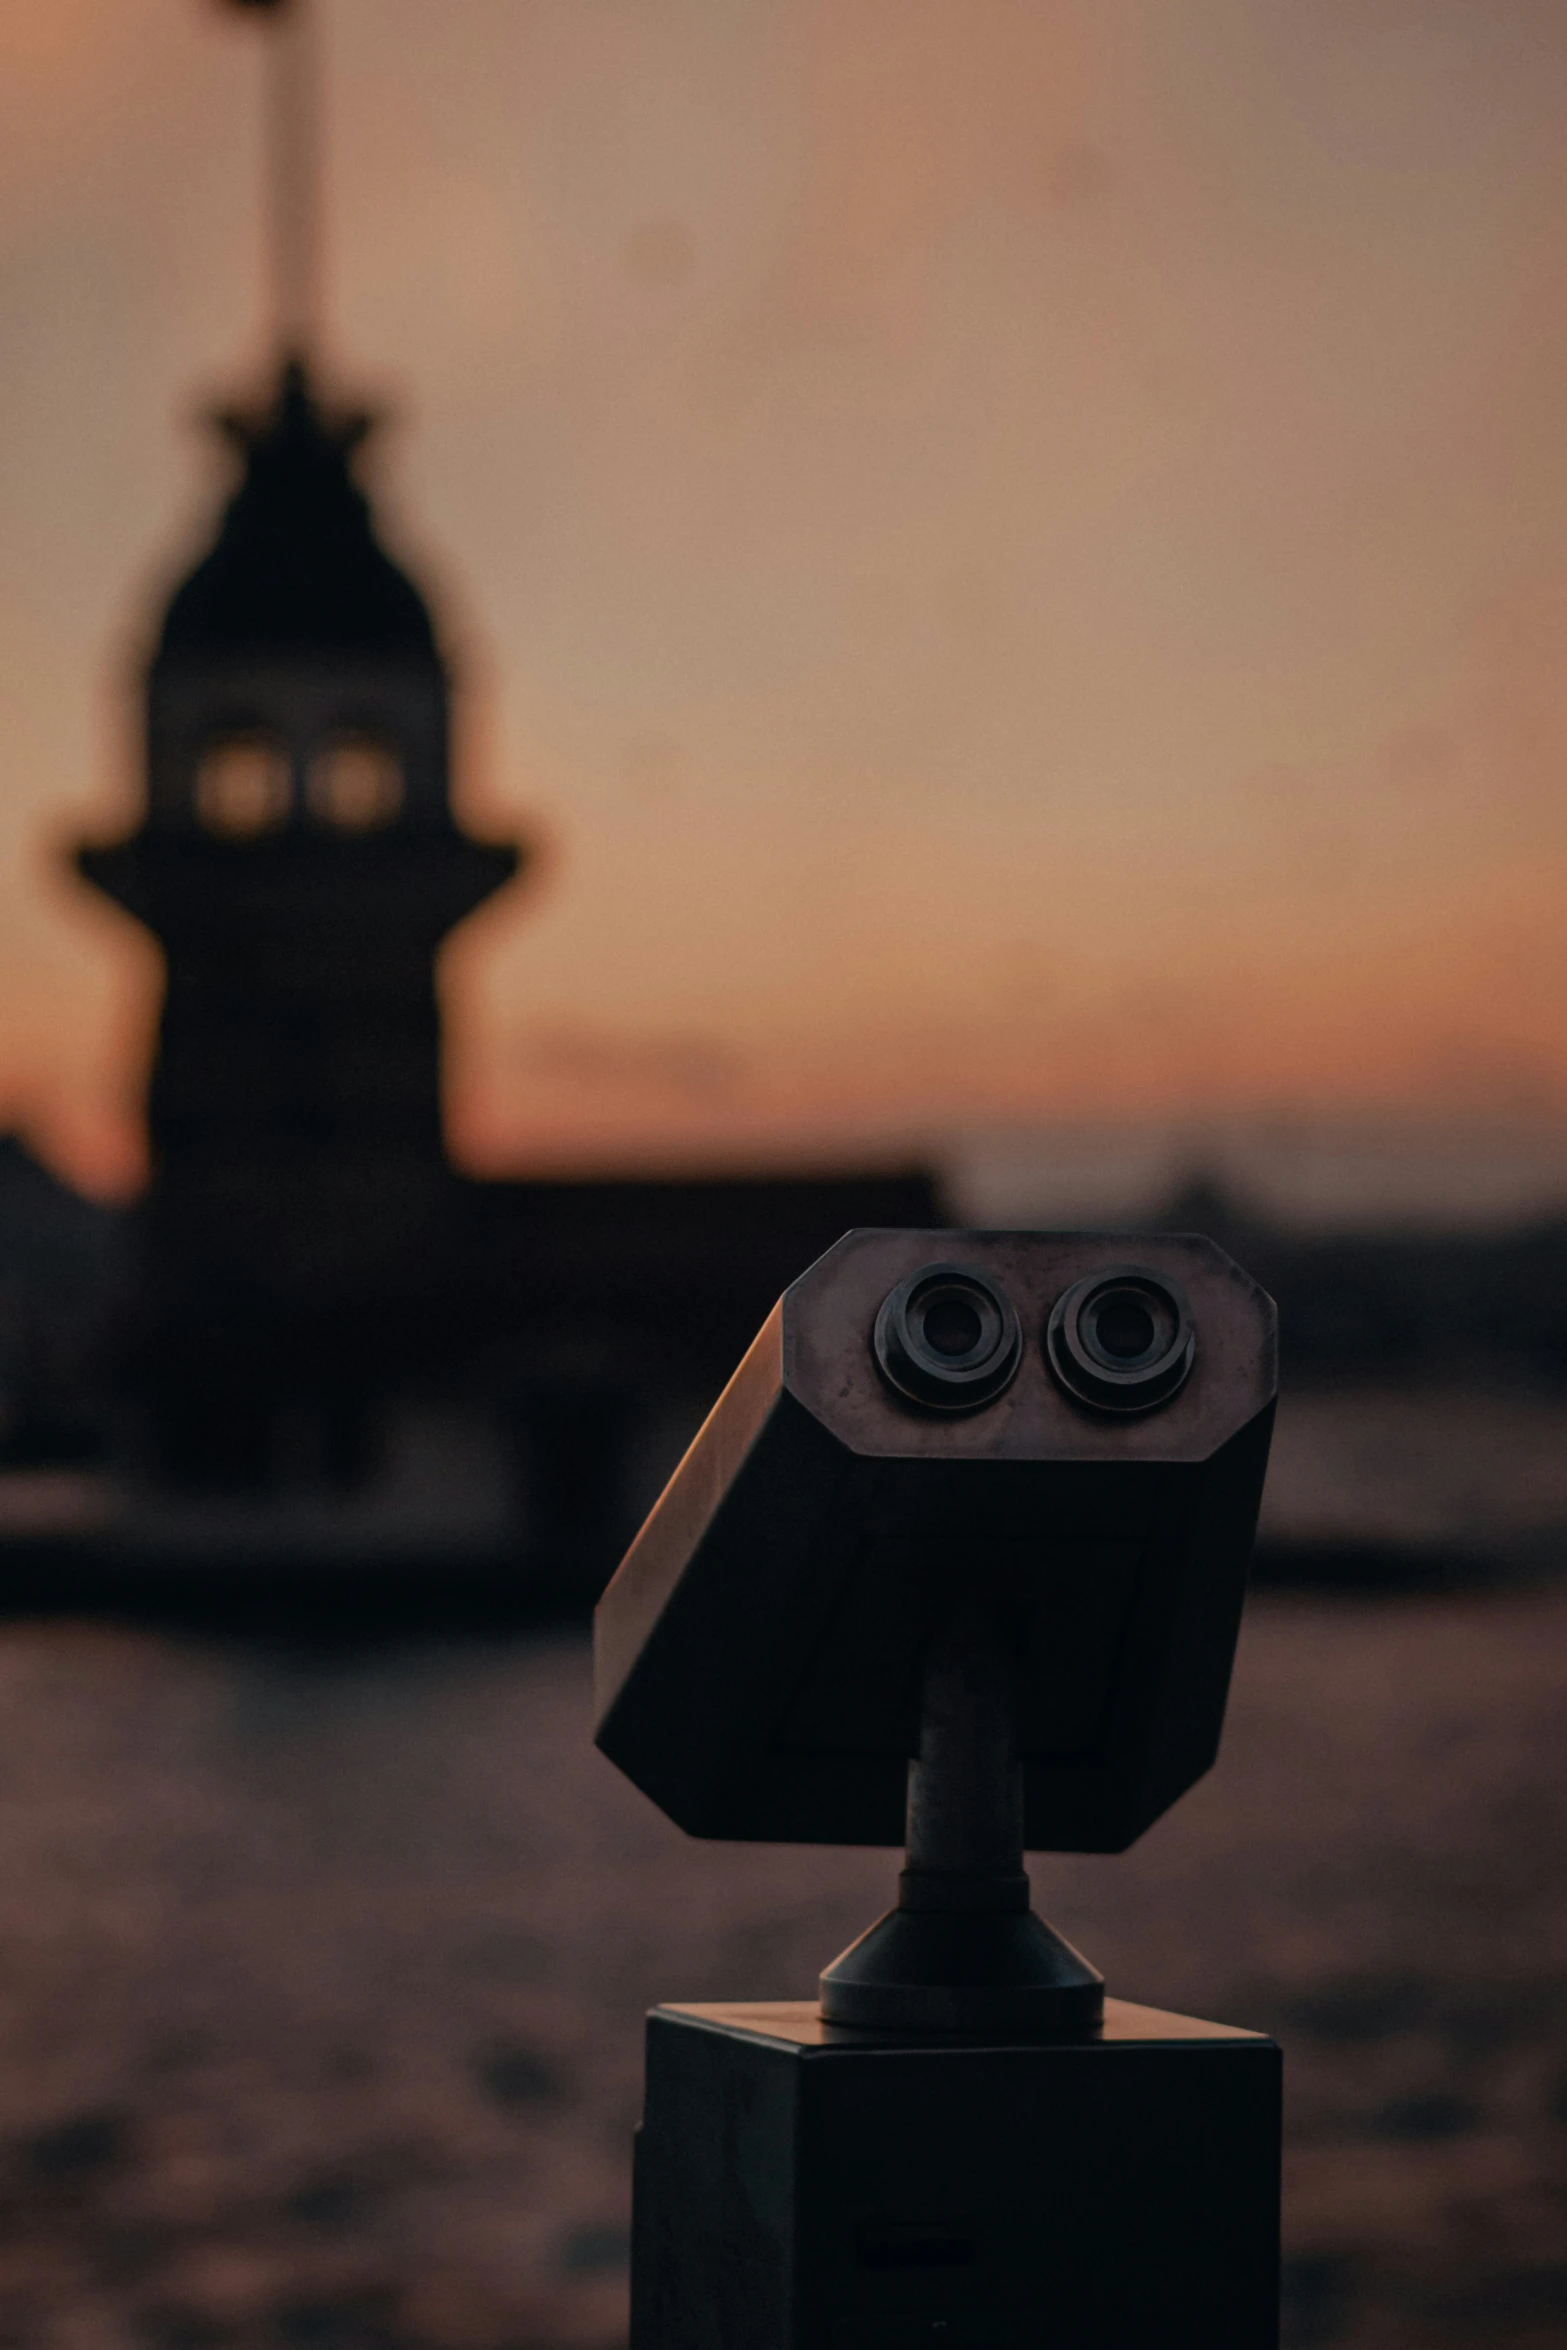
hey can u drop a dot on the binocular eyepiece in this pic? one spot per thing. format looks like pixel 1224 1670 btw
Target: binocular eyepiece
pixel 947 1338
pixel 1120 1341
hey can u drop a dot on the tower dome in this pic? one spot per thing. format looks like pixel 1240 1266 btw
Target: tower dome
pixel 296 565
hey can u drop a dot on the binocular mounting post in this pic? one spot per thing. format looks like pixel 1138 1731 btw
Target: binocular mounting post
pixel 963 1951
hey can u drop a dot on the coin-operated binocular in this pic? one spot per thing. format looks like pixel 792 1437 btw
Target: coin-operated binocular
pixel 956 1562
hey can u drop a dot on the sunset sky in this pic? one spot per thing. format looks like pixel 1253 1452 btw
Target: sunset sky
pixel 1013 553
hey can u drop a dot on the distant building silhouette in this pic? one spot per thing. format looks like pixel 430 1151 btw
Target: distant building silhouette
pixel 299 866
pixel 324 1306
pixel 312 1267
pixel 63 1283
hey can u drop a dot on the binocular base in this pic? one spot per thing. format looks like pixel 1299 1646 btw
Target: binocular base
pixel 1004 1973
pixel 805 2186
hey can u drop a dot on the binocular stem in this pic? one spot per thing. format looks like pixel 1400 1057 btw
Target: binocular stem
pixel 963 1951
pixel 964 1833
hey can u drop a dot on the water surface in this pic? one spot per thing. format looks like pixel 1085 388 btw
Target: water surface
pixel 321 1977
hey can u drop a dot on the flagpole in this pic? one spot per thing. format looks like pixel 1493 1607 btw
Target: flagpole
pixel 293 171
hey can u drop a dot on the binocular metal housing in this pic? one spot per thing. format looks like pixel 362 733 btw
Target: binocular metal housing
pixel 1068 1429
pixel 957 1559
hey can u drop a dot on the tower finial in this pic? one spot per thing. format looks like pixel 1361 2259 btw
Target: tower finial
pixel 293 171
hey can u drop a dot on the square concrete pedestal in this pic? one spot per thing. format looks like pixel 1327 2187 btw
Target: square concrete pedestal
pixel 804 2187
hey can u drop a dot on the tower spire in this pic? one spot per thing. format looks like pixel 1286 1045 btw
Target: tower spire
pixel 293 171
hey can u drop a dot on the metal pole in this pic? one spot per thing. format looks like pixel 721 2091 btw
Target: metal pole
pixel 964 1837
pixel 293 176
pixel 963 1951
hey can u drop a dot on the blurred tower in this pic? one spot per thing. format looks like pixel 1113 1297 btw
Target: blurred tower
pixel 299 865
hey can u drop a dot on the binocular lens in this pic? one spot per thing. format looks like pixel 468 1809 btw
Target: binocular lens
pixel 1124 1327
pixel 947 1338
pixel 1122 1340
pixel 952 1326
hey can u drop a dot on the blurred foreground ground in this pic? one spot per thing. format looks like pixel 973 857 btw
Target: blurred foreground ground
pixel 321 1978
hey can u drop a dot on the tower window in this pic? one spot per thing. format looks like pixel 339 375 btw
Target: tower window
pixel 242 786
pixel 355 783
